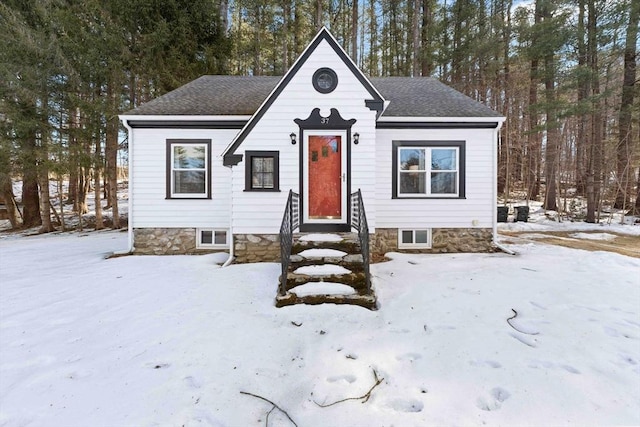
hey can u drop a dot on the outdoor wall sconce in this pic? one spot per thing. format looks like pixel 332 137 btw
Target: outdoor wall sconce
pixel 356 138
pixel 293 138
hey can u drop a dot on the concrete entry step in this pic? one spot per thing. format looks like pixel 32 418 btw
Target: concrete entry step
pixel 320 261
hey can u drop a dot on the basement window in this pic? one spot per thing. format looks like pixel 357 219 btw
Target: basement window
pixel 414 239
pixel 211 238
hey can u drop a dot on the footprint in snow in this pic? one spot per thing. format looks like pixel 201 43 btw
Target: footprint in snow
pixel 537 305
pixel 404 405
pixel 531 342
pixel 485 363
pixel 570 369
pixel 342 379
pixel 612 332
pixel 408 356
pixel 192 382
pixel 497 396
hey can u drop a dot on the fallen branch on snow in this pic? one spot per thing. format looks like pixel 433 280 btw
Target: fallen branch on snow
pixel 365 396
pixel 515 314
pixel 274 407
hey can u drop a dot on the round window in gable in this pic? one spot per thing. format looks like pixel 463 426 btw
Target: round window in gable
pixel 325 80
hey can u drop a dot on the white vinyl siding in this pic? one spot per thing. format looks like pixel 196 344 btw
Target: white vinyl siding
pixel 148 165
pixel 476 209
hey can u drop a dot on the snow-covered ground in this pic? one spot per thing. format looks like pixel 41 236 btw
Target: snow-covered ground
pixel 172 341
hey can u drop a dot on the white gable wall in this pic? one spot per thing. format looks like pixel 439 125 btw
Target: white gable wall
pixel 149 205
pixel 261 212
pixel 479 203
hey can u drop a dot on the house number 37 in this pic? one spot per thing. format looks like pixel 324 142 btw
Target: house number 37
pixel 324 120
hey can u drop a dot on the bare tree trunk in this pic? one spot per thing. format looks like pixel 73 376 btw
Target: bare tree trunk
pixel 318 15
pixel 61 201
pixel 354 31
pixel 426 55
pixel 533 137
pixel 551 152
pixel 45 199
pixel 297 28
pixel 96 185
pixel 74 149
pixel 583 93
pixel 30 194
pixel 286 12
pixel 6 194
pixel 111 153
pixel 373 40
pixel 625 148
pixel 96 192
pixel 83 190
pixel 596 154
pixel 224 12
pixel 637 205
pixel 551 126
pixel 73 186
pixel 415 27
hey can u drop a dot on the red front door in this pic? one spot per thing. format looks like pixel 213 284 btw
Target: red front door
pixel 325 177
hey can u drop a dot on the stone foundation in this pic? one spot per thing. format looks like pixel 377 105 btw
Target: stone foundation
pixel 266 247
pixel 444 240
pixel 257 248
pixel 167 241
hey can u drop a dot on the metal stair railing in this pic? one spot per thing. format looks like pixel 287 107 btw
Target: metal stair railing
pixel 359 222
pixel 290 221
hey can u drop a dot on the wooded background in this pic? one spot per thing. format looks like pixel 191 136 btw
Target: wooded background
pixel 563 72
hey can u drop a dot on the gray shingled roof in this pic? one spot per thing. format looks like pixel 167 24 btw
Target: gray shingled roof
pixel 426 97
pixel 213 95
pixel 243 95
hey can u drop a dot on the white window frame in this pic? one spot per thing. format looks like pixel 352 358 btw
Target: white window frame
pixel 200 245
pixel 427 171
pixel 402 245
pixel 171 169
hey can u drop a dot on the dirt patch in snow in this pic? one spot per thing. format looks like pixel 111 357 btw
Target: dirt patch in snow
pixel 621 244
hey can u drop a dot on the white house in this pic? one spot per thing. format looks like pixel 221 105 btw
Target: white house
pixel 212 163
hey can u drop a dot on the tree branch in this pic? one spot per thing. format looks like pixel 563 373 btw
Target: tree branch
pixel 365 396
pixel 274 407
pixel 515 314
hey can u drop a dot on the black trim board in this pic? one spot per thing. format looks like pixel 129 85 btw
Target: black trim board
pixel 436 125
pixel 462 167
pixel 324 228
pixel 333 122
pixel 187 124
pixel 374 105
pixel 322 35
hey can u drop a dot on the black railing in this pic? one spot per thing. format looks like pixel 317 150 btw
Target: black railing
pixel 290 221
pixel 359 222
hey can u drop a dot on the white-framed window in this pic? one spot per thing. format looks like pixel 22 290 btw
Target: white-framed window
pixel 419 238
pixel 188 169
pixel 212 238
pixel 428 169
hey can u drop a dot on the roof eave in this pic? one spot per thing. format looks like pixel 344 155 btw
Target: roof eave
pixel 410 119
